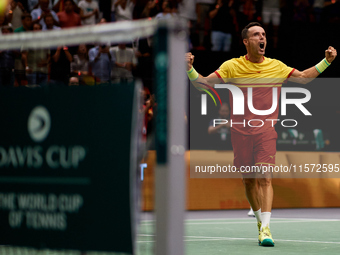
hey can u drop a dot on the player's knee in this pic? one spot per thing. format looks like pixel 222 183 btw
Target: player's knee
pixel 249 182
pixel 265 181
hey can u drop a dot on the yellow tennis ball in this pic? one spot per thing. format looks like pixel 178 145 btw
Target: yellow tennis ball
pixel 3 6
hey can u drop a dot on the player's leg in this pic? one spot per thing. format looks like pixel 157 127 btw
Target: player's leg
pixel 266 193
pixel 251 212
pixel 264 154
pixel 252 192
pixel 243 157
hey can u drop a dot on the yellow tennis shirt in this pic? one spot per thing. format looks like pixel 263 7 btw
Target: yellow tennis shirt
pixel 262 78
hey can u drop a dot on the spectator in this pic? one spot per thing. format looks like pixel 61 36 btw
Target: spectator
pixel 59 6
pixel 203 8
pixel 220 134
pixel 124 9
pixel 6 30
pixel 102 21
pixel 3 20
pixel 318 8
pixel 147 111
pixel 223 23
pixel 145 60
pixel 26 20
pixel 89 12
pixel 166 12
pixel 105 7
pixel 7 60
pixel 150 9
pixel 15 13
pixel 36 62
pixel 49 23
pixel 74 81
pixel 113 11
pixel 101 62
pixel 187 10
pixel 126 61
pixel 37 27
pixel 246 12
pixel 19 69
pixel 38 15
pixel 271 13
pixel 60 66
pixel 332 11
pixel 301 11
pixel 80 63
pixel 68 18
pixel 34 4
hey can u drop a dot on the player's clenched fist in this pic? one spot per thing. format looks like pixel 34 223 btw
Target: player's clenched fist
pixel 189 58
pixel 330 54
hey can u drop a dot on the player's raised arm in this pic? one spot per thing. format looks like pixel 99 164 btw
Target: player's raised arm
pixel 309 74
pixel 197 79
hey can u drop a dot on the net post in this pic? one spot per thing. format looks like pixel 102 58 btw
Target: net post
pixel 170 172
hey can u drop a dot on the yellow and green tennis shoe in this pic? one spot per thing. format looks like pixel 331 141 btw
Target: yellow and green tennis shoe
pixel 265 237
pixel 259 227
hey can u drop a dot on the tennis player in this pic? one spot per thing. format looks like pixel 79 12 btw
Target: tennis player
pixel 256 146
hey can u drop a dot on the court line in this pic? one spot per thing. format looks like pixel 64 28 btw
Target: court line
pixel 210 219
pixel 305 219
pixel 272 218
pixel 251 219
pixel 250 222
pixel 206 238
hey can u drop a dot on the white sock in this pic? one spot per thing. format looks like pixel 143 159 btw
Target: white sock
pixel 258 215
pixel 265 216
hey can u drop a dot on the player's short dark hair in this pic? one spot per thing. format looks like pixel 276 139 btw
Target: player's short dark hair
pixel 245 29
pixel 26 15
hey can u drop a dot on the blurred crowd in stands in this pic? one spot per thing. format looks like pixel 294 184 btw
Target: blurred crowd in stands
pixel 214 25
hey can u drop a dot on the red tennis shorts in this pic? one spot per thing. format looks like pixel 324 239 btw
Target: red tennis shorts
pixel 250 150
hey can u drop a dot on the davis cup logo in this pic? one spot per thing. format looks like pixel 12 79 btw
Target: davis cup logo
pixel 39 124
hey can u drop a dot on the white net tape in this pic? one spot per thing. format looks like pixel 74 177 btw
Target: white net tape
pixel 104 33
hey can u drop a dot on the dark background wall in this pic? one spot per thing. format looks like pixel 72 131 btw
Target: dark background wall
pixel 300 46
